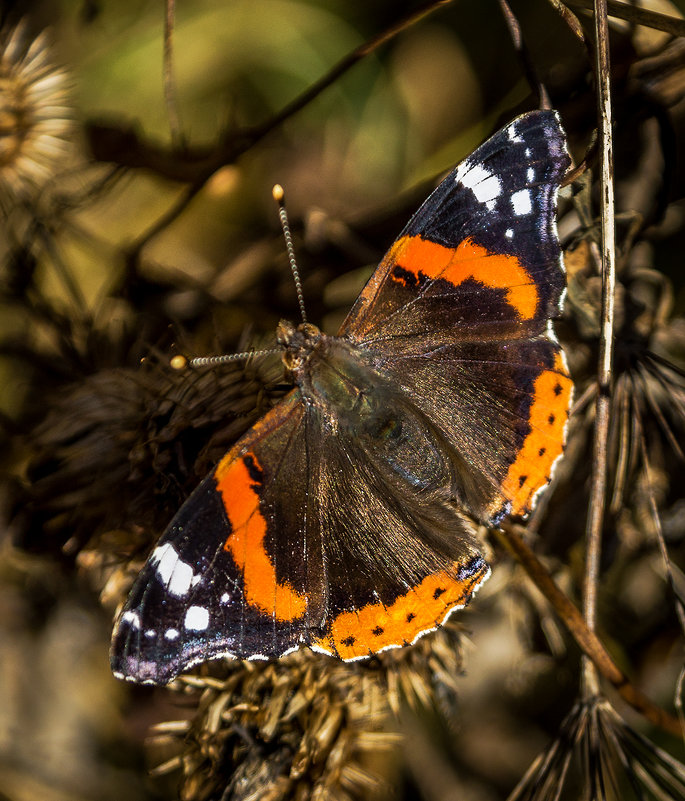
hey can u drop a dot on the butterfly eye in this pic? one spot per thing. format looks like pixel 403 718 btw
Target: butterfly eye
pixel 309 330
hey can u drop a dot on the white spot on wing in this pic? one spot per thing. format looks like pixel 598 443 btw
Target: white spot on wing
pixel 197 618
pixel 513 135
pixel 522 202
pixel 530 175
pixel 177 575
pixel 171 634
pixel 150 633
pixel 131 617
pixel 509 233
pixel 551 335
pixel 486 186
pixel 225 598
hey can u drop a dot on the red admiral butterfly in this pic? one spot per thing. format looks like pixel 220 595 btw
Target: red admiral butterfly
pixel 340 520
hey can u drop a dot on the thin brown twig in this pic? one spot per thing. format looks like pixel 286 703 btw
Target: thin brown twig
pixel 165 219
pixel 636 15
pixel 123 144
pixel 656 520
pixel 71 285
pixel 125 147
pixel 345 64
pixel 680 610
pixel 598 490
pixel 570 19
pixel 169 83
pixel 524 55
pixel 586 638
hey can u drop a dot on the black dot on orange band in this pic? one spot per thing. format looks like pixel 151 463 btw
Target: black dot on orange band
pixel 406 277
pixel 551 419
pixel 542 451
pixel 254 470
pixel 438 592
pixel 557 388
pixel 410 617
pixel 377 631
pixel 349 641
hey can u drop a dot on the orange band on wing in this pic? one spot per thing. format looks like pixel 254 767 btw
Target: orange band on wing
pixel 376 626
pixel 545 442
pixel 237 482
pixel 468 260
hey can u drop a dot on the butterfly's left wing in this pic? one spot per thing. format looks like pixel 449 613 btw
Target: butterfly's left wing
pixel 458 314
pixel 239 571
pixel 305 535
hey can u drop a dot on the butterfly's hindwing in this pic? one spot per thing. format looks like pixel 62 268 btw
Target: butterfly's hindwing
pixel 398 557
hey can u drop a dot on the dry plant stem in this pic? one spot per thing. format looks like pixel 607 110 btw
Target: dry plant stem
pixel 230 149
pixel 122 145
pixel 520 46
pixel 570 19
pixel 344 65
pixel 169 83
pixel 70 284
pixel 637 15
pixel 587 640
pixel 598 490
pixel 680 611
pixel 177 208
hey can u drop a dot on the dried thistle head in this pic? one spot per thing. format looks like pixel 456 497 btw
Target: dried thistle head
pixel 35 117
pixel 121 448
pixel 596 755
pixel 648 397
pixel 305 726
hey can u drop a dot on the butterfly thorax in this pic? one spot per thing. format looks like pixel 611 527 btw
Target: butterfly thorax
pixel 334 375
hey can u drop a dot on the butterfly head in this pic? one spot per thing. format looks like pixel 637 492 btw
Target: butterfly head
pixel 297 341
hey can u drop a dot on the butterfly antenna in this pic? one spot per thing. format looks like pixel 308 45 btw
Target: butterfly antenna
pixel 180 362
pixel 279 197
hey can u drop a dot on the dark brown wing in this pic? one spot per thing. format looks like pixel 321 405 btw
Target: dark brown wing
pixel 399 556
pixel 301 536
pixel 239 572
pixel 459 313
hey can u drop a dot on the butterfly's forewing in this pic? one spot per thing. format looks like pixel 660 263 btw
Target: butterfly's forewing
pixel 459 314
pixel 239 571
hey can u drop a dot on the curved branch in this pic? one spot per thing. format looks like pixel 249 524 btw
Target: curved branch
pixel 125 146
pixel 587 640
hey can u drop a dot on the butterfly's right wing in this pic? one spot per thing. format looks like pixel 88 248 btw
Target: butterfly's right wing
pixel 399 555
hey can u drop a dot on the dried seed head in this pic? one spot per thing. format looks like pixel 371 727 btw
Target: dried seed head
pixel 35 117
pixel 597 755
pixel 306 726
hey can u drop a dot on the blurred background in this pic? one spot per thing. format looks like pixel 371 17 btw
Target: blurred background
pixel 137 222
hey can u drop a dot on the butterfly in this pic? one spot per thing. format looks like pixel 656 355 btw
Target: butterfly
pixel 342 520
